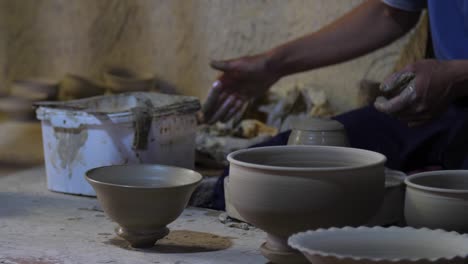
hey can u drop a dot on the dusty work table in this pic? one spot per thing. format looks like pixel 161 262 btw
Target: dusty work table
pixel 43 227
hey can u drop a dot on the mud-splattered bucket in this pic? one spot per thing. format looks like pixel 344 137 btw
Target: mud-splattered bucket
pixel 127 128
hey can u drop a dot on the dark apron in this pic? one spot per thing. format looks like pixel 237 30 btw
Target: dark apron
pixel 442 142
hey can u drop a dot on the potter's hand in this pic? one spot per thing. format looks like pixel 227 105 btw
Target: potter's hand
pixel 242 79
pixel 420 92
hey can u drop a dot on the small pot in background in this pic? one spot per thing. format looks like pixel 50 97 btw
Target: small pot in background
pixel 17 108
pixel 36 89
pixel 317 131
pixel 120 80
pixel 76 87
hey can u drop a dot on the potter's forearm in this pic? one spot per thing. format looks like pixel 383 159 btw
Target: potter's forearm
pixel 458 70
pixel 371 25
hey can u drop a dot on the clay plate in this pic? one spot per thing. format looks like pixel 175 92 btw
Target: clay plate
pixel 378 245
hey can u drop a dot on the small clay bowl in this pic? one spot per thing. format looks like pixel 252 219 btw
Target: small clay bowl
pixel 438 199
pixel 121 80
pixel 378 245
pixel 35 89
pixel 143 199
pixel 77 87
pixel 17 108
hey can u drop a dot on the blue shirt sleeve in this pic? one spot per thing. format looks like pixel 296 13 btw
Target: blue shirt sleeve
pixel 407 5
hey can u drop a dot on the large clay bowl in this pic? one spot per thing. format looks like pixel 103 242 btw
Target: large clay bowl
pixel 378 245
pixel 287 189
pixel 438 199
pixel 143 199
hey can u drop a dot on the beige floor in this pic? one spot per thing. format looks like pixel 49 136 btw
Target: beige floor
pixel 39 226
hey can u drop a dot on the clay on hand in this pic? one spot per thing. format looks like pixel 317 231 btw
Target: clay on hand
pixel 420 92
pixel 242 80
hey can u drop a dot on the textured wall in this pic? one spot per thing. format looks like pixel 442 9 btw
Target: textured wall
pixel 174 39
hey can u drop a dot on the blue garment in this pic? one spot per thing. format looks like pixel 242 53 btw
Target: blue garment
pixel 449 28
pixel 448 23
pixel 407 5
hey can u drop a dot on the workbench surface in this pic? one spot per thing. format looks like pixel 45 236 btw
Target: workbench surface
pixel 41 227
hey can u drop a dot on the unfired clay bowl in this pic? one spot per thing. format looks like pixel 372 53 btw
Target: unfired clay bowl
pixel 143 199
pixel 287 189
pixel 378 245
pixel 438 199
pixel 122 80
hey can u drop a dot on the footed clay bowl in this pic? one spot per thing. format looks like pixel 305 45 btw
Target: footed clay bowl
pixel 378 245
pixel 122 80
pixel 287 189
pixel 143 199
pixel 438 199
pixel 35 89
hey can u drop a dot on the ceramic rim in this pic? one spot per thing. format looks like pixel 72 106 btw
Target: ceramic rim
pixel 195 182
pixel 381 159
pixel 294 242
pixel 409 183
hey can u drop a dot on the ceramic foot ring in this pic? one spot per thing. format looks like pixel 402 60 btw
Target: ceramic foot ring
pixel 142 239
pixel 278 251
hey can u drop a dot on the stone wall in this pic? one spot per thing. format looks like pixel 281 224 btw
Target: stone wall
pixel 175 39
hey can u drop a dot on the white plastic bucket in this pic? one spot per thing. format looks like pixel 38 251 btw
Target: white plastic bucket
pixel 129 128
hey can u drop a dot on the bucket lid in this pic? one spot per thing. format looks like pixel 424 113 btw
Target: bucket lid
pixel 316 124
pixel 119 108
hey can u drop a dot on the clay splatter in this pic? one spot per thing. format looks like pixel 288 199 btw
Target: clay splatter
pixel 70 142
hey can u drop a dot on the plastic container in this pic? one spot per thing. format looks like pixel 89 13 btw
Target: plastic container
pixel 129 128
